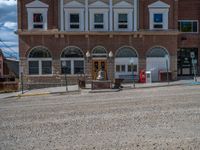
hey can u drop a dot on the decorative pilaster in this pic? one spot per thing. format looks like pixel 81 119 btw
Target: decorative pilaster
pixel 111 15
pixel 86 15
pixel 135 15
pixel 61 15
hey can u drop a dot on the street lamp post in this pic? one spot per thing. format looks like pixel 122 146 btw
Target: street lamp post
pixel 64 64
pixel 22 82
pixel 131 62
pixel 167 67
pixel 110 55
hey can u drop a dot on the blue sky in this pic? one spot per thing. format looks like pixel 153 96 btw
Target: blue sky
pixel 8 25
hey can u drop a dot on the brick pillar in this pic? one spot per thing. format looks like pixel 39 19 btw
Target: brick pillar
pixel 111 69
pixel 56 67
pixel 142 63
pixel 173 66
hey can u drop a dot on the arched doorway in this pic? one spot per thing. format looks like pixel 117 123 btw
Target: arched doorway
pixel 99 62
pixel 123 58
pixel 157 59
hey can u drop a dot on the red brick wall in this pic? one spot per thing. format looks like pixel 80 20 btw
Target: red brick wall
pixel 56 45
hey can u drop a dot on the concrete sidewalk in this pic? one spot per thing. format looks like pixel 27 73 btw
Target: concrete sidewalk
pixel 75 88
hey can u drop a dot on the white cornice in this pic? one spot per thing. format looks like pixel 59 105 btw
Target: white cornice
pixel 159 4
pixel 37 4
pixel 99 4
pixel 74 4
pixel 123 4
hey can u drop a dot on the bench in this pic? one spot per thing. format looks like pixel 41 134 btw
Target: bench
pixel 129 78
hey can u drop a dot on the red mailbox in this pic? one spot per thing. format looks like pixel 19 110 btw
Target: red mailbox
pixel 142 76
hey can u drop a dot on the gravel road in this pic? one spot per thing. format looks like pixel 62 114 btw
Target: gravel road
pixel 145 119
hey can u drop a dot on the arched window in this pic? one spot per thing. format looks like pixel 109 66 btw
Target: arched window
pixel 126 52
pixel 99 51
pixel 157 52
pixel 40 61
pixel 126 62
pixel 72 61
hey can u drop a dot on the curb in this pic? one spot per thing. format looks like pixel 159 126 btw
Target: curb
pixel 146 87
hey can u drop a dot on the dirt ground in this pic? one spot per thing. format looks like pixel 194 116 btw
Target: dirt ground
pixel 146 119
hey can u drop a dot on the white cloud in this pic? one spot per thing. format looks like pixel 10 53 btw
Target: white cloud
pixel 7 2
pixel 10 25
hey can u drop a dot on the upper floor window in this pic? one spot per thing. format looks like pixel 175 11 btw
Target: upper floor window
pixel 37 15
pixel 38 21
pixel 158 14
pixel 190 26
pixel 123 16
pixel 98 21
pixel 98 16
pixel 158 21
pixel 122 21
pixel 74 21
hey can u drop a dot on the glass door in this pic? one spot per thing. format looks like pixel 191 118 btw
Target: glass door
pixel 99 65
pixel 185 65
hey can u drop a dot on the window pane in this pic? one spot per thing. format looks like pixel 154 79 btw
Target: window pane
pixel 130 68
pixel 46 67
pixel 123 18
pixel 66 69
pixel 117 68
pixel 158 26
pixel 123 68
pixel 33 67
pixel 78 67
pixel 98 26
pixel 37 18
pixel 158 18
pixel 186 26
pixel 74 18
pixel 38 26
pixel 98 18
pixel 74 26
pixel 195 27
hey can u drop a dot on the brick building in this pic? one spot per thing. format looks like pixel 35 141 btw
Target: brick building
pixel 89 35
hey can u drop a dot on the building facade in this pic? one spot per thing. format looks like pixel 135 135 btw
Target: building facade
pixel 121 37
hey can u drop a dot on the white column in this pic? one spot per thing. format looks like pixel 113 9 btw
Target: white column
pixel 135 14
pixel 110 16
pixel 61 16
pixel 86 15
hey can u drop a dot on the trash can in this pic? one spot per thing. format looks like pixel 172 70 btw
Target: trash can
pixel 81 83
pixel 148 77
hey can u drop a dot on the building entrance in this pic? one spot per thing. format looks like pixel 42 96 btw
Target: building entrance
pixel 98 65
pixel 185 65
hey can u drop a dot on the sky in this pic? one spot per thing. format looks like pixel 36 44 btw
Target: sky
pixel 8 25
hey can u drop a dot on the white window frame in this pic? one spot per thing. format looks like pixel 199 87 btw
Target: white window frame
pixel 190 21
pixel 31 12
pixel 164 12
pixel 94 11
pixel 40 66
pixel 129 13
pixel 69 11
pixel 72 64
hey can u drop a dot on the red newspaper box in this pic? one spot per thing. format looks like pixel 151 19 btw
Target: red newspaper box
pixel 142 76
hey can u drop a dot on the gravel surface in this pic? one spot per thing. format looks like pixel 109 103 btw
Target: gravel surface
pixel 156 118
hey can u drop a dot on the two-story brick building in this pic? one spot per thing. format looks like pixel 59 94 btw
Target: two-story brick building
pixel 89 35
